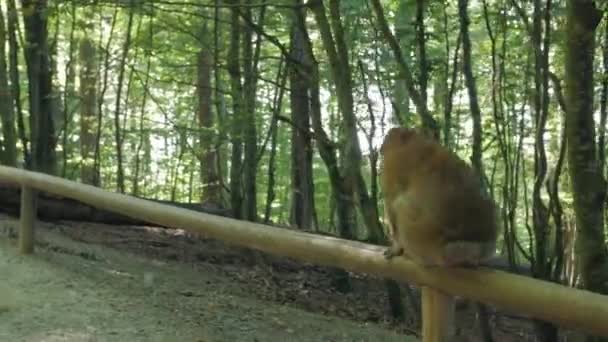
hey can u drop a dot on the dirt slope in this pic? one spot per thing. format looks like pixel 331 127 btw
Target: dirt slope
pixel 75 291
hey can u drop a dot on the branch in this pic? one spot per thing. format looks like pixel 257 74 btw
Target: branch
pixel 557 84
pixel 428 121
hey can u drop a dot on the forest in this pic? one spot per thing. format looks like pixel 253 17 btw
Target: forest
pixel 274 112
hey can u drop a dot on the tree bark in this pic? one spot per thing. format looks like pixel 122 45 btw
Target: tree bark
pixel 273 132
pixel 234 70
pixel 212 190
pixel 42 126
pixel 603 103
pixel 118 134
pixel 104 88
pixel 347 180
pixel 8 150
pixel 144 135
pixel 404 36
pixel 471 86
pixel 251 58
pixel 13 29
pixel 302 188
pixel 588 183
pixel 69 97
pixel 88 107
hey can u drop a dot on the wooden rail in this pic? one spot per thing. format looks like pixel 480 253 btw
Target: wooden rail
pixel 567 307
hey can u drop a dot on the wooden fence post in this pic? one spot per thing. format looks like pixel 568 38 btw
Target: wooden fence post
pixel 437 316
pixel 27 219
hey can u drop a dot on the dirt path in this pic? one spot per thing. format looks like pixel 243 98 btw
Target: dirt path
pixel 76 291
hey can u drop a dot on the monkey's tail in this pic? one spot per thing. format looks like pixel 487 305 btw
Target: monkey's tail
pixel 468 253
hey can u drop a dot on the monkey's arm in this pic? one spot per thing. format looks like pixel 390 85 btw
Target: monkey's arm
pixel 395 248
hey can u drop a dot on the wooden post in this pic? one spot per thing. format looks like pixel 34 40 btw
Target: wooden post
pixel 28 219
pixel 437 316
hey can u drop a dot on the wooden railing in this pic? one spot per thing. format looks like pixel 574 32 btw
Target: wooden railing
pixel 567 307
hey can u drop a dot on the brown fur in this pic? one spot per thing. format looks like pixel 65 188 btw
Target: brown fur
pixel 434 204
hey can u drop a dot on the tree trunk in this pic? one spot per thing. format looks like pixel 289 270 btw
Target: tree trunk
pixel 53 207
pixel 13 28
pixel 144 135
pixel 42 126
pixel 102 93
pixel 347 180
pixel 118 134
pixel 250 60
pixel 8 150
pixel 273 132
pixel 588 183
pixel 423 77
pixel 70 99
pixel 234 69
pixel 345 176
pixel 219 99
pixel 88 107
pixel 212 190
pixel 471 86
pixel 404 36
pixel 603 104
pixel 476 158
pixel 302 196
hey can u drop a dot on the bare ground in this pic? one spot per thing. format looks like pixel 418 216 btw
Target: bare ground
pixel 94 282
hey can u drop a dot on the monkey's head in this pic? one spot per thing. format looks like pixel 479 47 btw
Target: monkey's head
pixel 397 136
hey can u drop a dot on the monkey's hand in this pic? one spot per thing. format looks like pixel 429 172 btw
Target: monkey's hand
pixel 393 251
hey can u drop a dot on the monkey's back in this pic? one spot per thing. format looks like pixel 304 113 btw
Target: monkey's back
pixel 450 192
pixel 438 196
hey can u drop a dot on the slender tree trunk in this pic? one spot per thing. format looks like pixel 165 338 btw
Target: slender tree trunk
pixel 251 57
pixel 42 126
pixel 500 126
pixel 540 213
pixel 212 191
pixel 347 180
pixel 13 30
pixel 471 86
pixel 8 150
pixel 104 87
pixel 234 69
pixel 423 77
pixel 302 197
pixel 118 134
pixel 603 103
pixel 144 136
pixel 219 101
pixel 392 287
pixel 88 107
pixel 404 36
pixel 476 158
pixel 69 96
pixel 337 52
pixel 274 128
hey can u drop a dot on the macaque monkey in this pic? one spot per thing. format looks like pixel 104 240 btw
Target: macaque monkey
pixel 436 210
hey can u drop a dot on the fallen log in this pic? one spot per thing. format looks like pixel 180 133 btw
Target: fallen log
pixel 54 208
